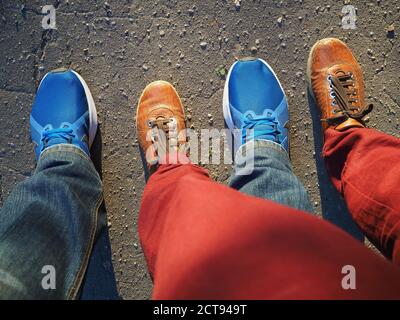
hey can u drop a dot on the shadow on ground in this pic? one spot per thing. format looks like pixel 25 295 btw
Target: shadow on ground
pixel 99 282
pixel 334 208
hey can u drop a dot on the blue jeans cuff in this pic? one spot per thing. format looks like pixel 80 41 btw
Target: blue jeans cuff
pixel 68 148
pixel 262 144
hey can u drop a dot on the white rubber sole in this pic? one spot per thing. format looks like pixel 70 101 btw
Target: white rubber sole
pixel 93 123
pixel 225 100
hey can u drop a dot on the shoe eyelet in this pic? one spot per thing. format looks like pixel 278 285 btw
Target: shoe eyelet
pixel 150 124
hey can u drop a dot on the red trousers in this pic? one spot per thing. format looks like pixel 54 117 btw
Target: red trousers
pixel 204 240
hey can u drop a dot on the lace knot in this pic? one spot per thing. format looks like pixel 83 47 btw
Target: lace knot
pixel 261 127
pixel 59 134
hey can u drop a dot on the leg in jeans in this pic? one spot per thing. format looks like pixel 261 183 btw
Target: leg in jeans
pixel 204 240
pixel 52 219
pixel 256 111
pixel 362 163
pixel 272 177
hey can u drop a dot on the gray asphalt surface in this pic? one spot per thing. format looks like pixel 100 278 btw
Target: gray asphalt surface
pixel 120 46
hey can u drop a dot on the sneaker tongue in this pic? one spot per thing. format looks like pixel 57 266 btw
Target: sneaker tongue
pixel 55 141
pixel 77 143
pixel 63 136
pixel 260 132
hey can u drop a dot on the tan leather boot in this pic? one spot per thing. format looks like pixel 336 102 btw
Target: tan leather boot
pixel 160 122
pixel 337 84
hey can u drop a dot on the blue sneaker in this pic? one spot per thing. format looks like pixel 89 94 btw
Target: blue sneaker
pixel 63 112
pixel 255 103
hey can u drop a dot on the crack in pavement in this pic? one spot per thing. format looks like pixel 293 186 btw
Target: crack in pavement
pixel 41 51
pixel 389 95
pixel 11 90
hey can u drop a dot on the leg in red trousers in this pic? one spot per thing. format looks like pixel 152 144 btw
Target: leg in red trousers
pixel 364 166
pixel 203 240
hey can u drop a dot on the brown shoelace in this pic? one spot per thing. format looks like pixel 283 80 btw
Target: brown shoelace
pixel 165 136
pixel 345 99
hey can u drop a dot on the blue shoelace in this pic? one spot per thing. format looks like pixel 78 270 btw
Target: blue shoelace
pixel 59 134
pixel 269 128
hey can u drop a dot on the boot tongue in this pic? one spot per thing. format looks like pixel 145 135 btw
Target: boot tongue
pixel 162 123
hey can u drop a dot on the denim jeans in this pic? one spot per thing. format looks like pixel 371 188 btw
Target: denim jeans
pixel 55 221
pixel 271 177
